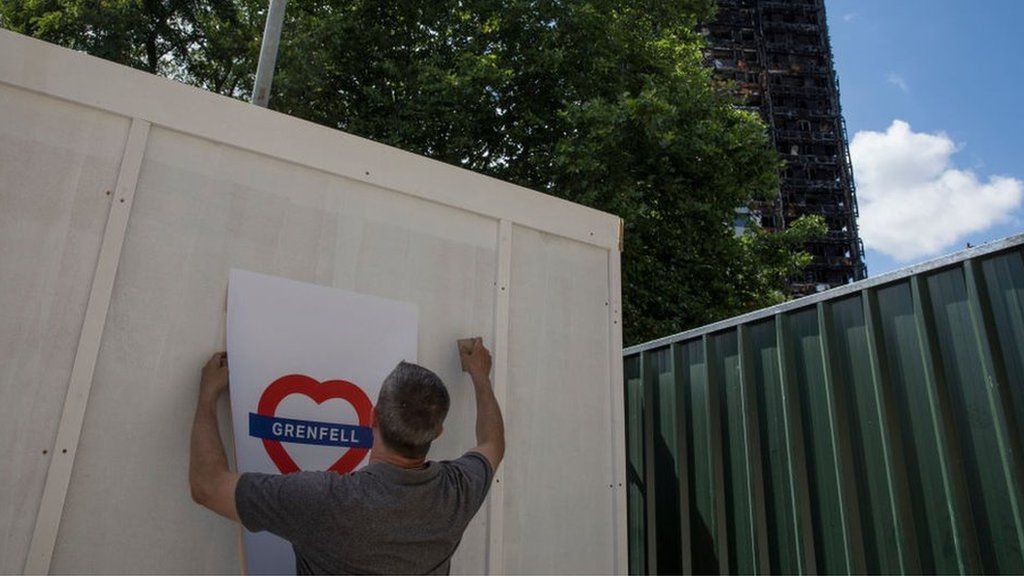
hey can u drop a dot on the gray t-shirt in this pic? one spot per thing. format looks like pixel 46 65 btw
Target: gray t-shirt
pixel 379 519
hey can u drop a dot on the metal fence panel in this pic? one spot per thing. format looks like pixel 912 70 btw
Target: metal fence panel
pixel 873 428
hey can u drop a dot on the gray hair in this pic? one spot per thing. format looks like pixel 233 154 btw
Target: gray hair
pixel 411 408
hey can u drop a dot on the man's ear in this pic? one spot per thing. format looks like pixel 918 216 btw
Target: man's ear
pixel 373 417
pixel 440 430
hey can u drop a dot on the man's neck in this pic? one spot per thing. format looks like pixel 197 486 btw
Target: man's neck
pixel 381 453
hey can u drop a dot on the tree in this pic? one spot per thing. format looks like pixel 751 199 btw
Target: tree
pixel 603 102
pixel 213 44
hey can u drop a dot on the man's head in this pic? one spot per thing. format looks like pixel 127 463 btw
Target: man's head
pixel 410 410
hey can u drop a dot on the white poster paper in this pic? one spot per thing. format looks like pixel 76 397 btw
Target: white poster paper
pixel 306 364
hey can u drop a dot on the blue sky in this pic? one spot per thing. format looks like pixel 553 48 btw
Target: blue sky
pixel 932 93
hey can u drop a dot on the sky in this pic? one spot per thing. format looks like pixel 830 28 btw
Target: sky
pixel 932 93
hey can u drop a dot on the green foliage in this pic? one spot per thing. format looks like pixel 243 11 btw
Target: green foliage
pixel 774 258
pixel 210 43
pixel 603 102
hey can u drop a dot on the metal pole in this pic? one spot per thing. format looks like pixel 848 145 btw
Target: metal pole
pixel 268 53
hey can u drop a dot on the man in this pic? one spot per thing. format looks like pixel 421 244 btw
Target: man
pixel 399 514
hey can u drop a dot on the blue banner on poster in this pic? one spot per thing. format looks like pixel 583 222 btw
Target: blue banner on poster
pixel 309 432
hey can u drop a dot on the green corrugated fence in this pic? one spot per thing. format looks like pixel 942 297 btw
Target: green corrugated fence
pixel 872 428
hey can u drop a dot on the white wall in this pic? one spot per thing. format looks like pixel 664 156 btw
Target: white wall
pixel 108 308
pixel 57 161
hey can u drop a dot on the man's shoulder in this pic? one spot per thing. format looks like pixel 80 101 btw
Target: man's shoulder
pixel 472 466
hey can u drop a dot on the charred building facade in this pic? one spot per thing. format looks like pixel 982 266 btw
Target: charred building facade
pixel 777 56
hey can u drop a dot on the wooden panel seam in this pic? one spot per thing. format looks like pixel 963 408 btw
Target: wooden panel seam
pixel 69 430
pixel 619 456
pixel 502 289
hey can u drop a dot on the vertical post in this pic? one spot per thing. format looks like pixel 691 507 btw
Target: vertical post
pixel 944 427
pixel 268 53
pixel 620 462
pixel 752 447
pixel 795 454
pixel 502 289
pixel 842 451
pixel 58 476
pixel 892 446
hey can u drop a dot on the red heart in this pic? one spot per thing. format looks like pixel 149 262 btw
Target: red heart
pixel 319 392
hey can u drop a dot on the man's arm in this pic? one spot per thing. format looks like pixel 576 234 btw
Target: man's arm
pixel 490 427
pixel 213 484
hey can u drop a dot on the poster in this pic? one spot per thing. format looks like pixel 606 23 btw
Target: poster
pixel 306 363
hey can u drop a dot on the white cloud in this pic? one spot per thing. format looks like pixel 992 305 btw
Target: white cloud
pixel 913 202
pixel 898 81
pixel 850 16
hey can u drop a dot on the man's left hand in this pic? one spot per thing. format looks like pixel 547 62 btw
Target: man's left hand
pixel 215 377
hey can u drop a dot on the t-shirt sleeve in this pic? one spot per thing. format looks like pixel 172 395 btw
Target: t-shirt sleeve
pixel 286 505
pixel 474 475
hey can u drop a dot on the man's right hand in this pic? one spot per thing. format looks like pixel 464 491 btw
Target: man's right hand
pixel 215 377
pixel 476 360
pixel 490 427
